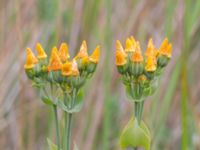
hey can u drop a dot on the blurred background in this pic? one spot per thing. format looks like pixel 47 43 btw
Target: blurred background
pixel 172 113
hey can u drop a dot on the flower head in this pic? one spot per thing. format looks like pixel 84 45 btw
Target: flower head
pixel 54 62
pixel 150 64
pixel 63 52
pixel 165 49
pixel 31 60
pixel 83 51
pixel 95 55
pixel 40 51
pixel 151 50
pixel 120 48
pixel 129 46
pixel 120 56
pixel 66 69
pixel 137 54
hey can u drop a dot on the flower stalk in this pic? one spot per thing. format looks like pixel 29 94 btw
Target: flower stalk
pixel 140 75
pixel 61 81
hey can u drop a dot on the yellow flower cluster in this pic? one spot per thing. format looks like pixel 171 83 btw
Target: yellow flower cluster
pixel 139 72
pixel 60 59
pixel 132 53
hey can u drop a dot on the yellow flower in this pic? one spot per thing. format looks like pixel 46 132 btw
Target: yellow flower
pixel 66 69
pixel 151 50
pixel 70 68
pixel 31 60
pixel 63 52
pixel 95 55
pixel 54 62
pixel 137 55
pixel 134 43
pixel 165 48
pixel 83 51
pixel 40 51
pixel 120 48
pixel 120 58
pixel 150 64
pixel 74 69
pixel 129 46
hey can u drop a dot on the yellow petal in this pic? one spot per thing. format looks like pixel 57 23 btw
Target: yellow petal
pixel 129 46
pixel 74 69
pixel 119 47
pixel 150 64
pixel 40 51
pixel 83 51
pixel 31 60
pixel 54 62
pixel 151 50
pixel 165 49
pixel 120 58
pixel 134 43
pixel 95 55
pixel 66 69
pixel 137 57
pixel 63 52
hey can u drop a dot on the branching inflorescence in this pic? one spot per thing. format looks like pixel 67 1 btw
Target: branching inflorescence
pixel 140 76
pixel 59 80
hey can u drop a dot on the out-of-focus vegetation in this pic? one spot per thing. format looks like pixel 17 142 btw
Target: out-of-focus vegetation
pixel 172 113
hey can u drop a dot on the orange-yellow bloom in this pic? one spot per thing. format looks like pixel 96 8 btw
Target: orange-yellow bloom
pixel 66 69
pixel 120 48
pixel 63 52
pixel 55 62
pixel 70 68
pixel 134 43
pixel 83 51
pixel 31 60
pixel 95 55
pixel 151 50
pixel 74 69
pixel 40 51
pixel 165 48
pixel 129 46
pixel 137 55
pixel 150 64
pixel 120 58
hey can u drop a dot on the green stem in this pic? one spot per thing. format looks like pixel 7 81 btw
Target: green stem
pixel 69 122
pixel 138 110
pixel 57 127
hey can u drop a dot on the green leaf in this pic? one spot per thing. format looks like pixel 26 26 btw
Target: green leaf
pixel 52 146
pixel 47 100
pixel 135 135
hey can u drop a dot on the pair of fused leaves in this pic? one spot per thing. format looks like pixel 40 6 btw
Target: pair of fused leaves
pixel 60 103
pixel 135 135
pixel 53 146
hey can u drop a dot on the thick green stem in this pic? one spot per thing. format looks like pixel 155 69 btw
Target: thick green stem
pixel 138 110
pixel 69 122
pixel 57 127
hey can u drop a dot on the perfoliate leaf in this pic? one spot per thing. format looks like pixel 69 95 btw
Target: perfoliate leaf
pixel 135 135
pixel 52 146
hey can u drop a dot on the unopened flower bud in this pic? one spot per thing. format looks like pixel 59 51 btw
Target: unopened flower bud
pixel 63 52
pixel 129 46
pixel 164 53
pixel 40 51
pixel 136 65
